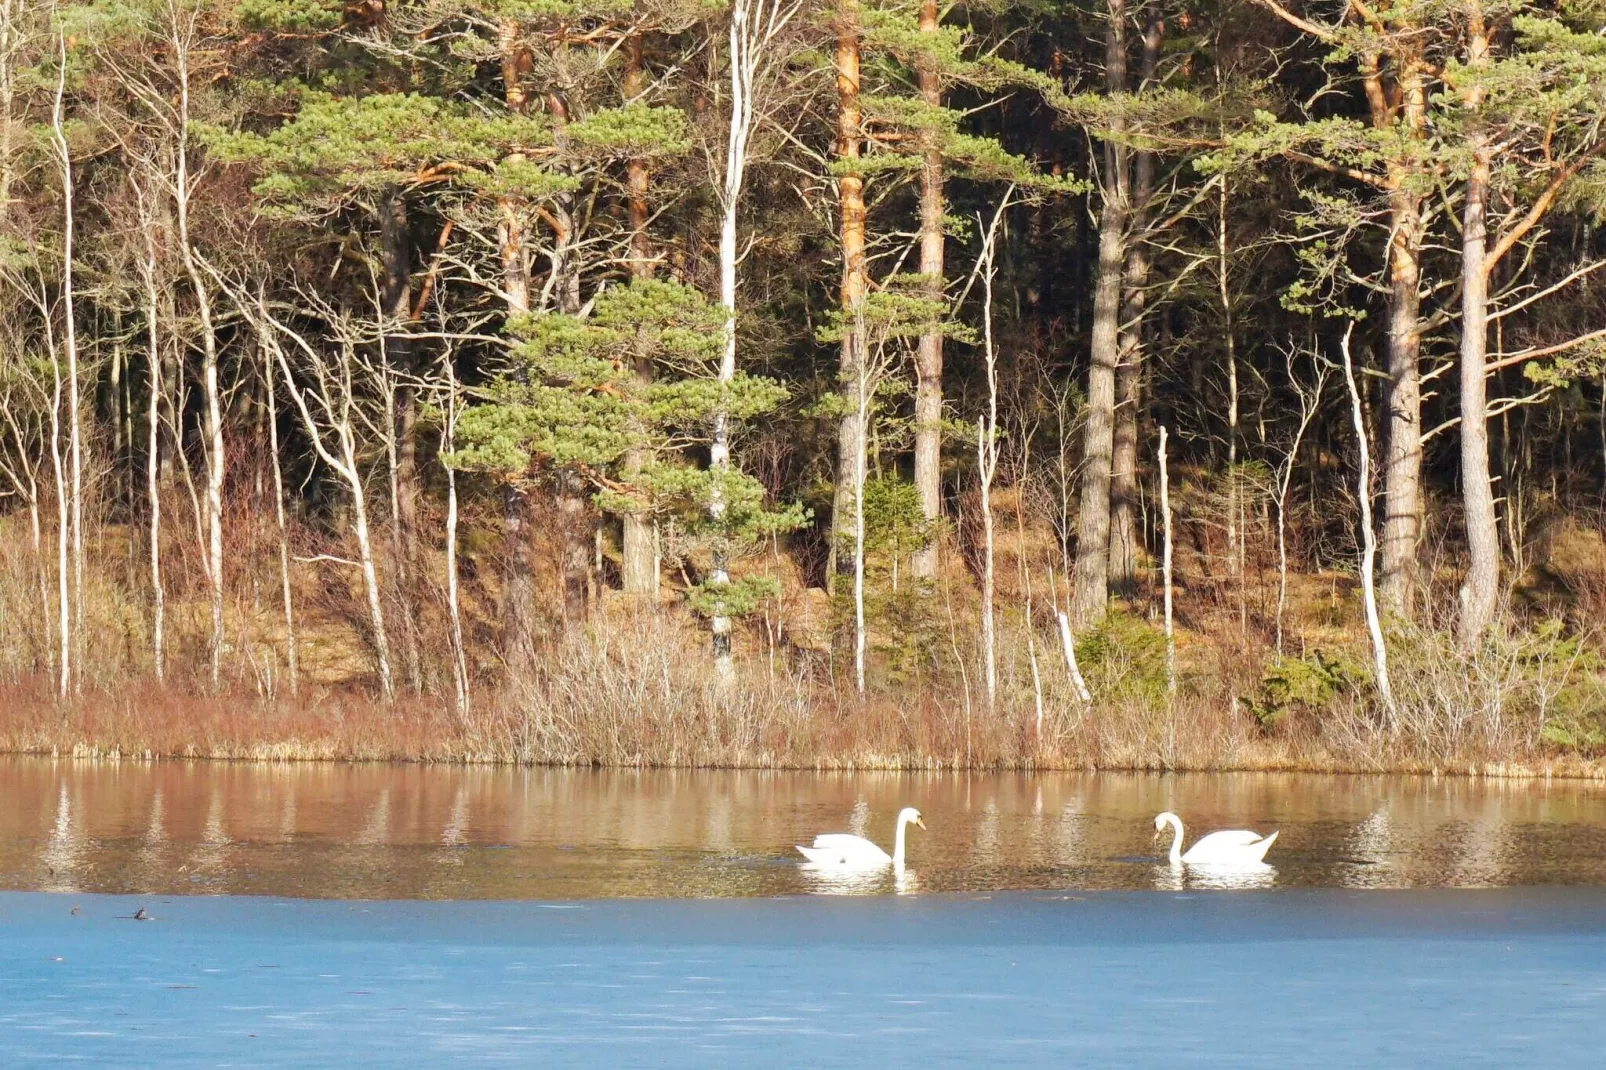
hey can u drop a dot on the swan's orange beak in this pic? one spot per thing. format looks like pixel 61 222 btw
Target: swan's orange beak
pixel 920 823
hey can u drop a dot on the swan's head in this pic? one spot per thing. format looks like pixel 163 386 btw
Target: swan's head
pixel 910 816
pixel 1162 820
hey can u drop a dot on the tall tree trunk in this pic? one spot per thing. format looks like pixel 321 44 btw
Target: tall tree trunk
pixel 281 528
pixel 153 359
pixel 576 520
pixel 518 580
pixel 850 194
pixel 639 552
pixel 1091 590
pixel 395 297
pixel 1402 465
pixel 66 663
pixel 460 683
pixel 1480 590
pixel 215 459
pixel 75 428
pixel 1235 534
pixel 928 357
pixel 1129 369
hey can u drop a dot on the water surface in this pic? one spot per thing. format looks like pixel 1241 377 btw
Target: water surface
pixel 1422 978
pixel 439 832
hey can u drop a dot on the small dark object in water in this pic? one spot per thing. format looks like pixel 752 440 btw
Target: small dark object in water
pixel 74 911
pixel 140 915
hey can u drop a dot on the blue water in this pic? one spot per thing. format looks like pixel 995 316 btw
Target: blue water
pixel 1499 977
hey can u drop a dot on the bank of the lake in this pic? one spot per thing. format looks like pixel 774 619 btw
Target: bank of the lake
pixel 766 724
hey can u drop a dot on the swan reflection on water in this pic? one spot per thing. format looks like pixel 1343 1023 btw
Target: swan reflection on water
pixel 846 880
pixel 1221 876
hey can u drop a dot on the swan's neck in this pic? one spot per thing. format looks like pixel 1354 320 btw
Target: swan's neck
pixel 897 843
pixel 1176 841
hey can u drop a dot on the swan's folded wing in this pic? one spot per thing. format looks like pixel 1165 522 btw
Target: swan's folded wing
pixel 1228 838
pixel 839 841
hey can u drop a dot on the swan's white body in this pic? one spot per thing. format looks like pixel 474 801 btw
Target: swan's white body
pixel 1234 847
pixel 843 850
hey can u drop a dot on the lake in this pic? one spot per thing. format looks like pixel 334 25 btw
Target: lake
pixel 198 914
pixel 449 832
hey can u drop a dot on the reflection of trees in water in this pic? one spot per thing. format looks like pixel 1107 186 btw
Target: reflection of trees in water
pixel 211 859
pixel 338 830
pixel 376 833
pixel 453 834
pixel 64 848
pixel 984 850
pixel 287 817
pixel 154 873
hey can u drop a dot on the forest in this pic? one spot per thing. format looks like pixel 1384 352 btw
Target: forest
pixel 1108 383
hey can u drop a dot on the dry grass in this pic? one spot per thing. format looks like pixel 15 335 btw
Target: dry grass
pixel 633 687
pixel 638 694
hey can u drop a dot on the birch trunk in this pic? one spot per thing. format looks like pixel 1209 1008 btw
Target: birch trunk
pixel 290 655
pixel 75 429
pixel 153 441
pixel 460 681
pixel 1363 489
pixel 215 459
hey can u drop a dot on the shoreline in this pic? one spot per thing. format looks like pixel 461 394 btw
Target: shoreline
pixel 1572 769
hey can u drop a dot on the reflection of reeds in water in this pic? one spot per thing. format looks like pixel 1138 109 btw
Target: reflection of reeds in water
pixel 64 848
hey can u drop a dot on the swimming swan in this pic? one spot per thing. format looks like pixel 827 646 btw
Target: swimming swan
pixel 843 849
pixel 1236 847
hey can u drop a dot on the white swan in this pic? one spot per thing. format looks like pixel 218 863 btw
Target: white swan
pixel 845 850
pixel 1235 847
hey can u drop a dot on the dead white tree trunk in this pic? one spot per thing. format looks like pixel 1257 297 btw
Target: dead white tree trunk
pixel 181 34
pixel 454 615
pixel 754 28
pixel 1309 403
pixel 1380 657
pixel 291 660
pixel 987 450
pixel 75 430
pixel 153 437
pixel 330 414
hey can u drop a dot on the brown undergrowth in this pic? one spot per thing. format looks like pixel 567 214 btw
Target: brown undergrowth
pixel 639 694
